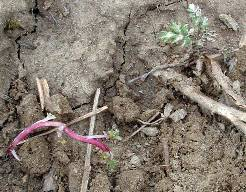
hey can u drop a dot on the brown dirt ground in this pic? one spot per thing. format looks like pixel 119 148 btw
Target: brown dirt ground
pixel 79 46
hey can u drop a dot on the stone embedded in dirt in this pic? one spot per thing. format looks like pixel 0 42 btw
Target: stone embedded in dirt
pixel 229 21
pixel 131 181
pixel 150 131
pixel 100 183
pixel 167 110
pixel 146 115
pixel 29 110
pixel 35 156
pixel 75 176
pixel 135 161
pixel 125 110
pixel 49 182
pixel 178 115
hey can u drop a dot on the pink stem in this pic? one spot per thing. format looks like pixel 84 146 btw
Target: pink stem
pixel 27 131
pixel 84 139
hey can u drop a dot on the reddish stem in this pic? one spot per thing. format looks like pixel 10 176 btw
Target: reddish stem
pixel 27 131
pixel 83 139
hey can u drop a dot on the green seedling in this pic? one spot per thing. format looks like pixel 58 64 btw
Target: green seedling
pixel 114 134
pixel 185 34
pixel 110 162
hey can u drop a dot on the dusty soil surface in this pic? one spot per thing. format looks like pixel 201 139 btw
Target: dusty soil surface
pixel 79 46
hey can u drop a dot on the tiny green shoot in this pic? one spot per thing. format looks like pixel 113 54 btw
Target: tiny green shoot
pixel 114 134
pixel 110 162
pixel 185 34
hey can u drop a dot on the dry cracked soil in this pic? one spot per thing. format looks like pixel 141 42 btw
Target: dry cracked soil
pixel 82 45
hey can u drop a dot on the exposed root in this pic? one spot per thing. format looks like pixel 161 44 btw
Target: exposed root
pixel 185 86
pixel 225 83
pixel 143 126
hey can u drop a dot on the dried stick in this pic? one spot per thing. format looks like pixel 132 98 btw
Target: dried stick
pixel 185 86
pixel 143 126
pixel 157 122
pixel 99 110
pixel 166 154
pixel 181 63
pixel 87 167
pixel 225 83
pixel 44 92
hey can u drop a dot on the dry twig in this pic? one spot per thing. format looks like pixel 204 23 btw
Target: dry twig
pixel 157 68
pixel 225 82
pixel 44 92
pixel 87 167
pixel 166 154
pixel 143 126
pixel 157 122
pixel 99 110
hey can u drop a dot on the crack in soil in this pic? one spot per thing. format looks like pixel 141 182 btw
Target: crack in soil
pixel 80 105
pixel 123 48
pixel 125 41
pixel 34 11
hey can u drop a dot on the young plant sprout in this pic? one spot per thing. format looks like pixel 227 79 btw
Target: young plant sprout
pixel 110 162
pixel 185 35
pixel 61 128
pixel 114 134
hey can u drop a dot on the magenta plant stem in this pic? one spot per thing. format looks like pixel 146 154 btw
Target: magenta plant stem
pixel 27 131
pixel 84 139
pixel 61 128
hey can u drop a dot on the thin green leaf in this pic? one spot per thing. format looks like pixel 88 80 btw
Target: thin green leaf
pixel 175 28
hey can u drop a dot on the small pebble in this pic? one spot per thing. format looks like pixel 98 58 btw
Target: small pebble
pixel 167 110
pixel 49 182
pixel 146 144
pixel 236 86
pixel 150 131
pixel 242 42
pixel 178 115
pixel 229 22
pixel 221 126
pixel 135 161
